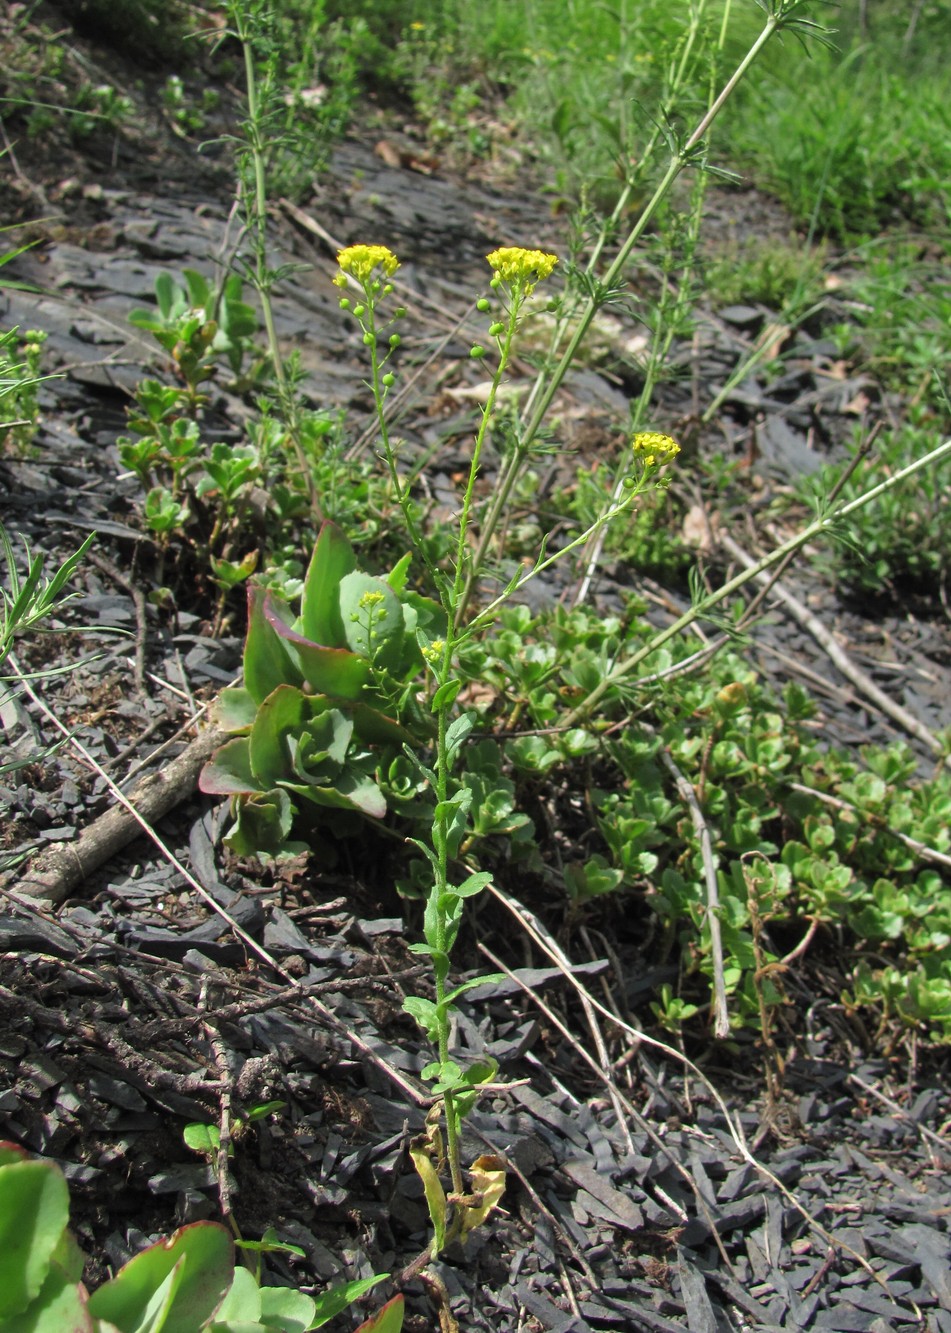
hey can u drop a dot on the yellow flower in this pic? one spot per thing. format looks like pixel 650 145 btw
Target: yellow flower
pixel 522 268
pixel 360 261
pixel 653 449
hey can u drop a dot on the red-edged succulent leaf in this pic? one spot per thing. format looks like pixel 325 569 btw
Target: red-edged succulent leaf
pixel 387 1320
pixel 267 663
pixel 228 771
pixel 206 1253
pixel 335 671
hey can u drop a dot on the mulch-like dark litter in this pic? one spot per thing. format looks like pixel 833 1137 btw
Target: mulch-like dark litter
pixel 109 1048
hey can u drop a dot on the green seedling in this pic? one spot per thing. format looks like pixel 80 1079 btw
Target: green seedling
pixel 199 325
pixel 101 106
pixel 185 114
pixel 205 1138
pixel 163 513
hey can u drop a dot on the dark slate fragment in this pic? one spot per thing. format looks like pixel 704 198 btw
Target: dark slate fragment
pixel 628 1316
pixel 548 1113
pixel 532 978
pixel 932 1250
pixel 176 1178
pixel 693 1290
pixel 844 1318
pixel 116 1093
pixel 548 1314
pixel 18 935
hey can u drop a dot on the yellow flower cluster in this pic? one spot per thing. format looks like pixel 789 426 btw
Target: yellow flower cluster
pixel 653 449
pixel 522 267
pixel 360 261
pixel 433 651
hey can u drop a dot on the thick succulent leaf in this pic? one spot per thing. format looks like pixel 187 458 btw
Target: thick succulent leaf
pixel 321 750
pixel 267 662
pixel 205 1252
pixel 333 560
pixel 34 1211
pixel 235 709
pixel 286 1310
pixel 336 671
pixel 284 712
pixel 228 771
pixel 60 1307
pixel 350 791
pixel 263 825
pixel 375 727
pixel 243 1301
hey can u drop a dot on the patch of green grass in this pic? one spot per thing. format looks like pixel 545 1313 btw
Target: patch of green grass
pixel 765 271
pixel 898 301
pixel 901 542
pixel 852 142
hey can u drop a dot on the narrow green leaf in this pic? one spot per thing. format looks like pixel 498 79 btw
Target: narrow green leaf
pixel 331 561
pixel 336 1299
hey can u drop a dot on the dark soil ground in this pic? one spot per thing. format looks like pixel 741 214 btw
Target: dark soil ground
pixel 641 1195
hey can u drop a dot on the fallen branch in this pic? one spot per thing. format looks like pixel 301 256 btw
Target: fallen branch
pixel 55 873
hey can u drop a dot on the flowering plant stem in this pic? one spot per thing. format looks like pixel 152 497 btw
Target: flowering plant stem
pixel 516 273
pixel 692 151
pixel 259 273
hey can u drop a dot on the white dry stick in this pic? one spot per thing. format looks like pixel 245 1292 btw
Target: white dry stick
pixel 721 1014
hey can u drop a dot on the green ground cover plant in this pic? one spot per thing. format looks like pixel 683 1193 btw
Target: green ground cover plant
pixel 900 545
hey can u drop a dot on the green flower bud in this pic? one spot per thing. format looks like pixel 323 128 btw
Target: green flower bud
pixel 389 379
pixel 345 303
pixel 477 352
pixel 368 340
pixel 395 340
pixel 359 311
pixel 483 304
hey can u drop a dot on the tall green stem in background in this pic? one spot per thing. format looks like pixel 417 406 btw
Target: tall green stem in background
pixel 255 195
pixel 781 15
